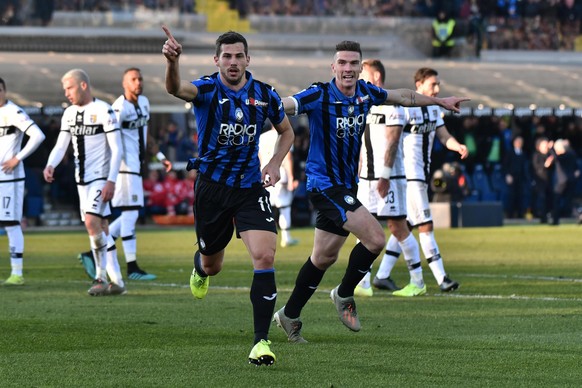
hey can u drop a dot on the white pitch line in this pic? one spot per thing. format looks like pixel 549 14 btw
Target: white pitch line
pixel 526 277
pixel 457 294
pixel 509 297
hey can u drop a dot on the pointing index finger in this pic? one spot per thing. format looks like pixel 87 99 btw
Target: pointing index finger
pixel 168 33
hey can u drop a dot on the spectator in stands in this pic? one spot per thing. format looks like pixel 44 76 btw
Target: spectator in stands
pixel 9 13
pixel 188 6
pixel 468 137
pixel 507 8
pixel 170 138
pixel 155 194
pixel 541 179
pixel 476 28
pixel 443 35
pixel 187 147
pixel 491 141
pixel 172 190
pixel 515 167
pixel 566 173
pixel 43 10
pixel 569 15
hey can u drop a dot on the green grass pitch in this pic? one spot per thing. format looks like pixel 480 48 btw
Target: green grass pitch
pixel 516 320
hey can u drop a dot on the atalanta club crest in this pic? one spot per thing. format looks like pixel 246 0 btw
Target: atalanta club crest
pixel 238 114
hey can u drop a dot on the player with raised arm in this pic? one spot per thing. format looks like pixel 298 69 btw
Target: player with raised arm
pixel 14 124
pixel 337 113
pixel 231 108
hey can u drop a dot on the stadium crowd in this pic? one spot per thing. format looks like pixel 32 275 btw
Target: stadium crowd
pixel 488 137
pixel 497 24
pixel 494 157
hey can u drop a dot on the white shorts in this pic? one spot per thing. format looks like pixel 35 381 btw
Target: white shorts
pixel 128 191
pixel 418 205
pixel 91 201
pixel 392 206
pixel 279 195
pixel 12 196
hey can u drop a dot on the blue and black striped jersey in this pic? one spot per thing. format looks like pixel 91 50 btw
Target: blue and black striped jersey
pixel 229 126
pixel 336 125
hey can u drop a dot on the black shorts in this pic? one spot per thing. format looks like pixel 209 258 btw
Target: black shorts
pixel 332 206
pixel 218 209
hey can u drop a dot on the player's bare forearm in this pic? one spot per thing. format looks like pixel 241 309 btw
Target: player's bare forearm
pixel 453 145
pixel 407 97
pixel 172 78
pixel 172 50
pixel 271 172
pixel 393 140
pixel 284 141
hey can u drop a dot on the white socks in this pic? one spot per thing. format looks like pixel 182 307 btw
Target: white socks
pixel 431 252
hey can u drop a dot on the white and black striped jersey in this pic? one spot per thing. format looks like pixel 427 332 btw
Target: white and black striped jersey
pixel 133 122
pixel 14 123
pixel 375 143
pixel 418 138
pixel 89 127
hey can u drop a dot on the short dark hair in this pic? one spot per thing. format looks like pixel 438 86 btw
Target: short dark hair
pixel 131 69
pixel 349 45
pixel 377 65
pixel 424 73
pixel 3 83
pixel 231 37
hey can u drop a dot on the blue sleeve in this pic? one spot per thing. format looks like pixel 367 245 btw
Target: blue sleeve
pixel 276 111
pixel 378 95
pixel 308 99
pixel 205 87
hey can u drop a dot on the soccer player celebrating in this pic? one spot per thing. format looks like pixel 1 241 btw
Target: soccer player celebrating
pixel 14 123
pixel 231 108
pixel 337 113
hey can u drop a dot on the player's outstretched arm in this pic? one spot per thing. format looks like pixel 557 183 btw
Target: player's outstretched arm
pixel 407 97
pixel 174 85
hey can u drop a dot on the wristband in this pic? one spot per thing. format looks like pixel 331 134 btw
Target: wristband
pixel 160 156
pixel 386 173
